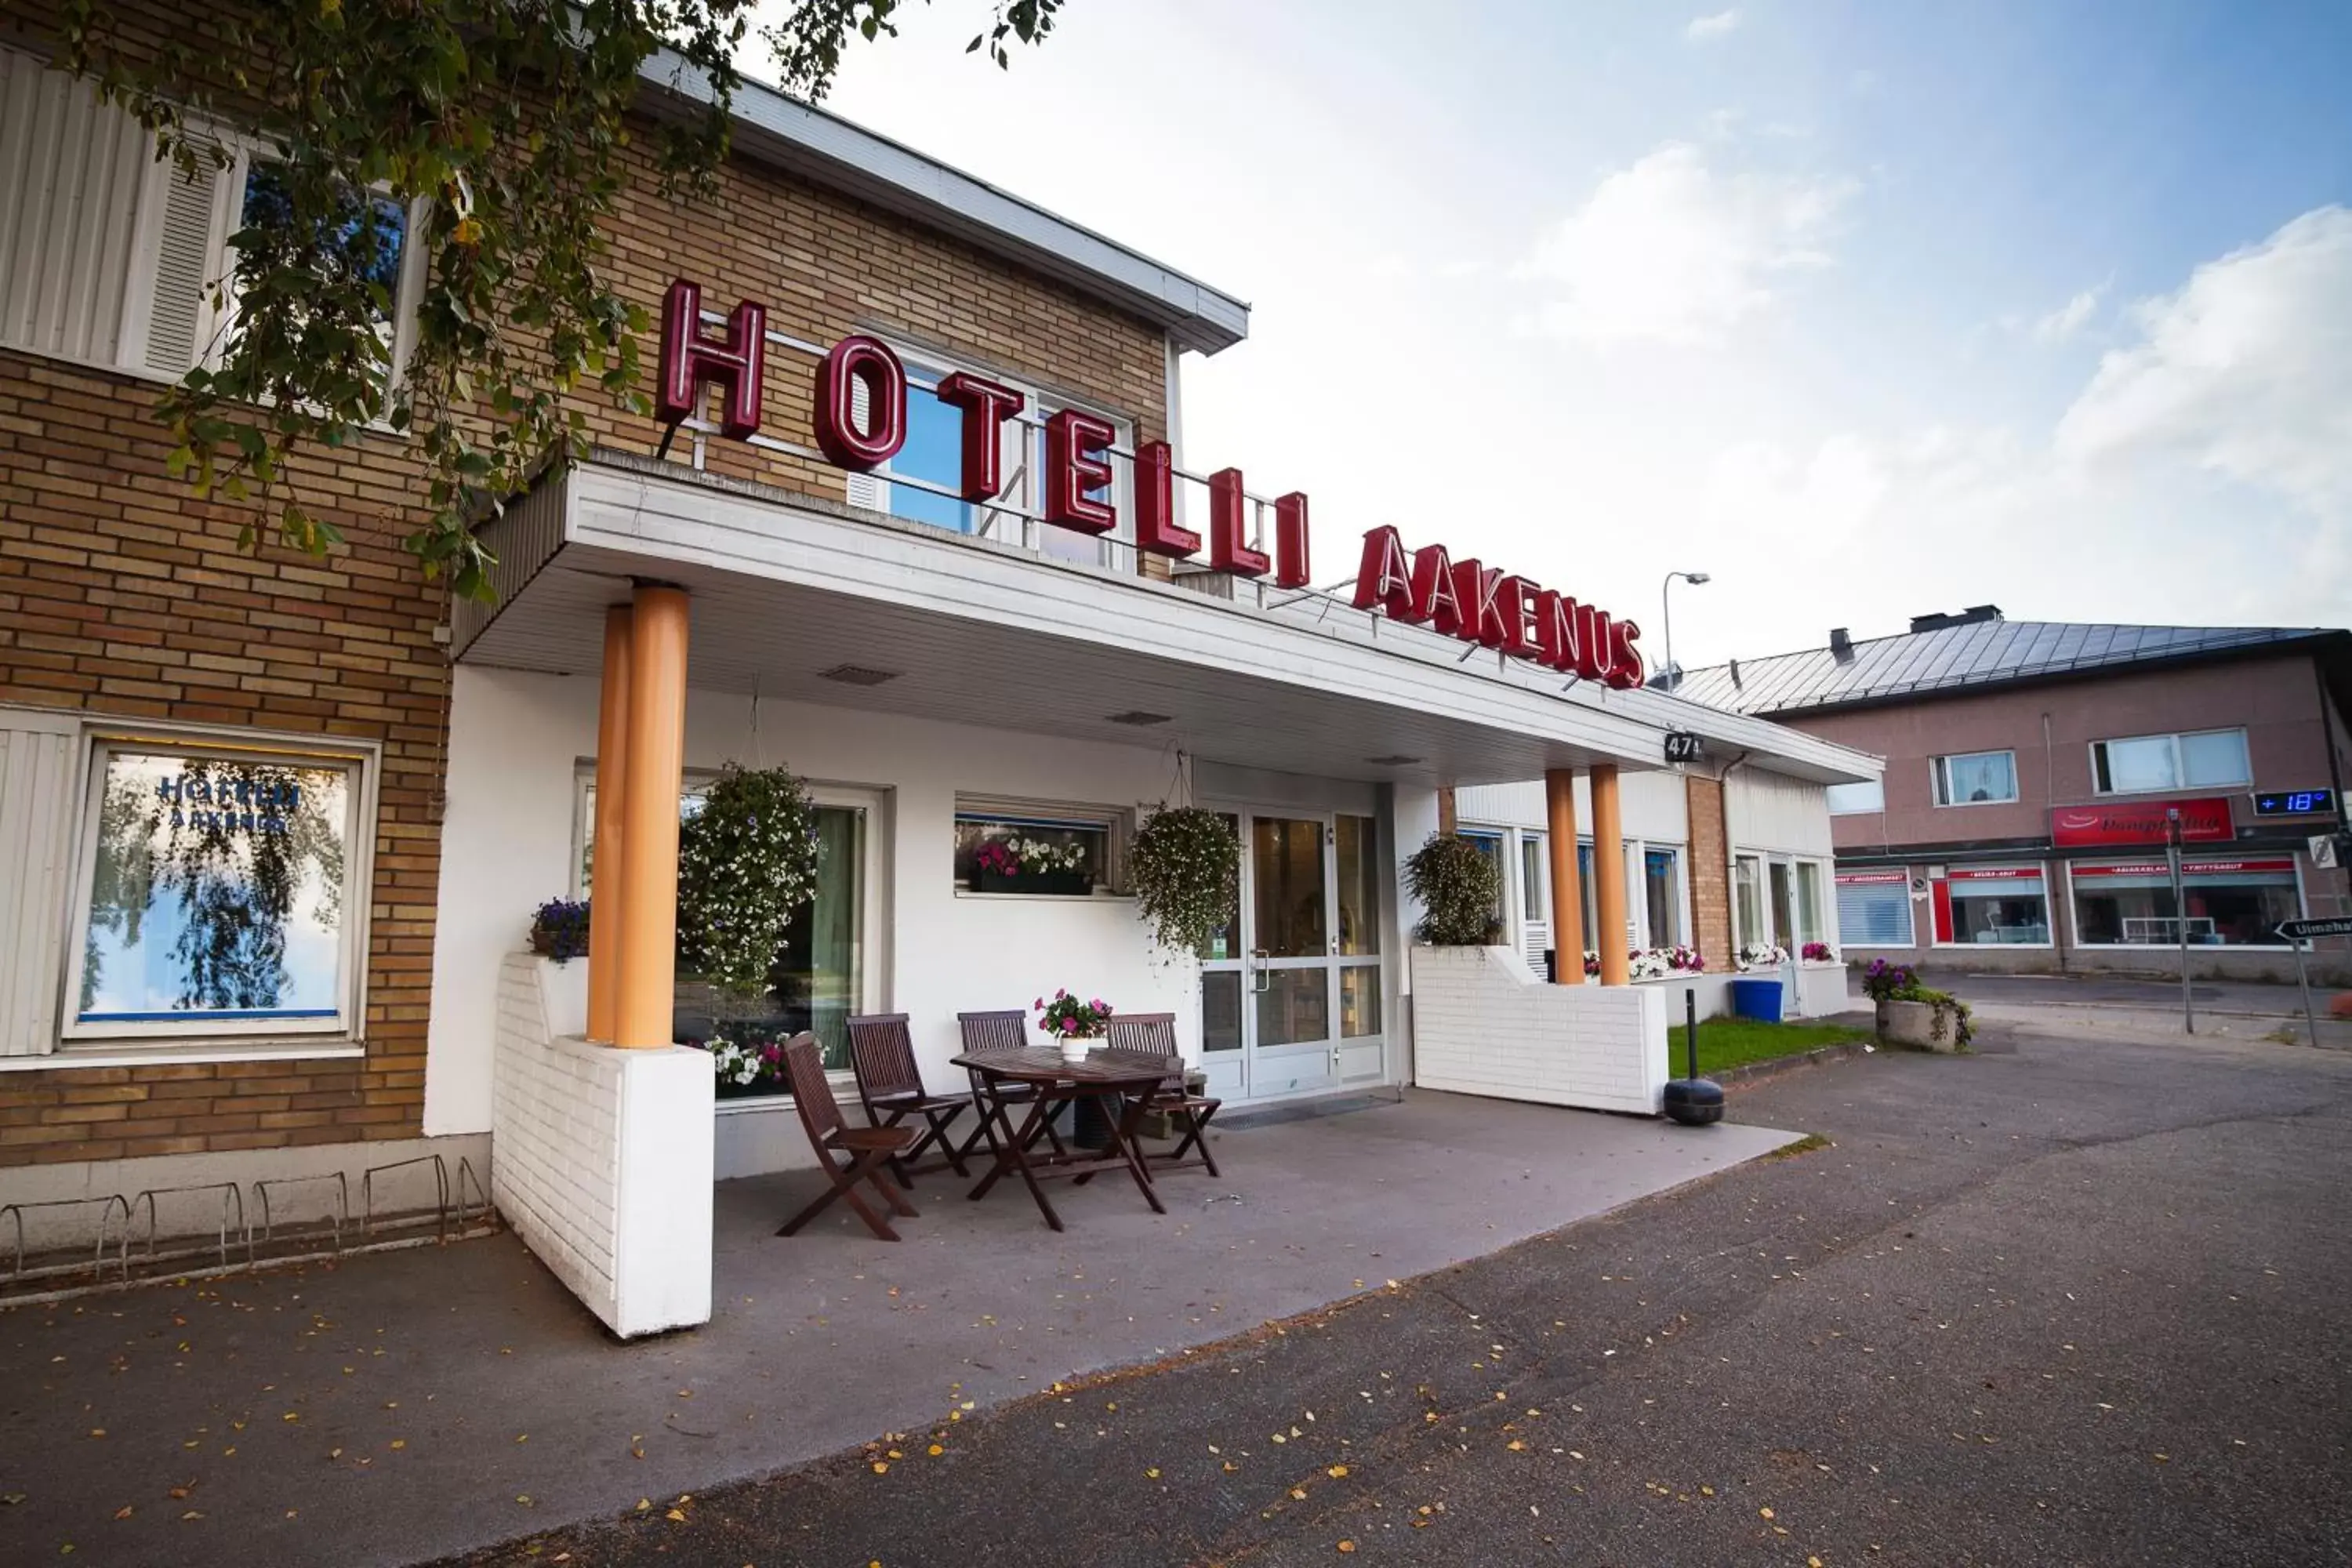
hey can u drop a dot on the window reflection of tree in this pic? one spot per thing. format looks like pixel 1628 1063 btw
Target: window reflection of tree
pixel 235 886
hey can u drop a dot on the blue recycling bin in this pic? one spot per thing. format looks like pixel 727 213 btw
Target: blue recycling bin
pixel 1757 999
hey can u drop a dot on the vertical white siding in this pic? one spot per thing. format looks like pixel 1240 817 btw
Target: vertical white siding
pixel 36 785
pixel 1771 811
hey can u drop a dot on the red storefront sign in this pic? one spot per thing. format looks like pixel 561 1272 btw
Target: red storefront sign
pixel 2204 820
pixel 2188 869
pixel 1998 874
pixel 1481 605
pixel 1861 877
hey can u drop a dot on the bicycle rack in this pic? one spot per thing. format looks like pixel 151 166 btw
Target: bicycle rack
pixel 440 1182
pixel 465 1175
pixel 338 1219
pixel 232 1202
pixel 108 1205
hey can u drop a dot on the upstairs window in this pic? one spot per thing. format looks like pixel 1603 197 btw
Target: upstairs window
pixel 1976 778
pixel 1852 799
pixel 2205 759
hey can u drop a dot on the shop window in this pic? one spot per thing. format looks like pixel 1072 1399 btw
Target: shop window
pixel 2209 759
pixel 220 892
pixel 1874 909
pixel 1993 905
pixel 1852 799
pixel 1037 849
pixel 1661 896
pixel 2223 903
pixel 1976 778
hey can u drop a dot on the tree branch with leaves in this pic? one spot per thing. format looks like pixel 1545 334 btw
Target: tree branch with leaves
pixel 495 140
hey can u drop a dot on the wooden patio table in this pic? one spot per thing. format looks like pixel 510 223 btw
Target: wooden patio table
pixel 1102 1075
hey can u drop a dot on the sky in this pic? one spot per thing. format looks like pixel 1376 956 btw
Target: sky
pixel 1865 311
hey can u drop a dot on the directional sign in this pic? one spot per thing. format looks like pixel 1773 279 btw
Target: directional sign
pixel 2304 930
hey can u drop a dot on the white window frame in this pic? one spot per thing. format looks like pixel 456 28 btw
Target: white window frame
pixel 1940 783
pixel 357 895
pixel 1119 822
pixel 1637 908
pixel 2097 754
pixel 1901 886
pixel 2075 917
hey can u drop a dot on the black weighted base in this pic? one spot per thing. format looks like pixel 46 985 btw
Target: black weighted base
pixel 1693 1101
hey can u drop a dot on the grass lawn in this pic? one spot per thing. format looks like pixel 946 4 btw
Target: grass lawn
pixel 1735 1042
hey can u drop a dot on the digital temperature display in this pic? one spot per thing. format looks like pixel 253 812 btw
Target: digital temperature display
pixel 2295 803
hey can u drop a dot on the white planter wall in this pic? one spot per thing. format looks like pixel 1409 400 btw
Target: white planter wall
pixel 1483 1023
pixel 1821 989
pixel 601 1161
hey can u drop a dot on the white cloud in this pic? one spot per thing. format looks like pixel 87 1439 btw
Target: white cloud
pixel 2246 372
pixel 1704 30
pixel 2069 317
pixel 1670 251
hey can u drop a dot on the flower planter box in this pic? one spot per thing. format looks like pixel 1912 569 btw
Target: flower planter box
pixel 1056 884
pixel 1914 1024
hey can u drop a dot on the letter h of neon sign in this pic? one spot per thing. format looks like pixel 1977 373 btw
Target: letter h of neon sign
pixel 688 360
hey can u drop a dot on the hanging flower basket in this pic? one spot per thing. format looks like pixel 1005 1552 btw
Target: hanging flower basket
pixel 1185 867
pixel 746 862
pixel 1459 887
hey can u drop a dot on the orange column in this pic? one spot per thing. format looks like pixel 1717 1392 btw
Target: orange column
pixel 656 767
pixel 1609 876
pixel 611 832
pixel 1567 892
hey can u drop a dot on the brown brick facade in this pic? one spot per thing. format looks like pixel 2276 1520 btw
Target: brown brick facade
pixel 120 594
pixel 1710 869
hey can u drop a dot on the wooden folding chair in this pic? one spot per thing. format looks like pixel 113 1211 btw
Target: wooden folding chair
pixel 999 1031
pixel 882 1055
pixel 869 1148
pixel 1154 1034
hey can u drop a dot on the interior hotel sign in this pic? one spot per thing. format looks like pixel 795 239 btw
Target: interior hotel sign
pixel 1465 599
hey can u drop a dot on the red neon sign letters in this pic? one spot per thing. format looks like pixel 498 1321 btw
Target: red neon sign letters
pixel 1481 605
pixel 861 423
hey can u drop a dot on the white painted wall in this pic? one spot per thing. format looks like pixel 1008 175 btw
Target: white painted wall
pixel 1773 811
pixel 516 739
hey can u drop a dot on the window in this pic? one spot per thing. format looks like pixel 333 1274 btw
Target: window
pixel 1852 799
pixel 933 455
pixel 1976 778
pixel 1874 909
pixel 1809 902
pixel 2209 759
pixel 1535 879
pixel 1038 849
pixel 1588 895
pixel 364 244
pixel 220 891
pixel 1357 840
pixel 1993 905
pixel 1747 899
pixel 819 977
pixel 1661 896
pixel 108 256
pixel 2229 903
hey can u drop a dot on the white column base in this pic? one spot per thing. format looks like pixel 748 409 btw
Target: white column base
pixel 602 1160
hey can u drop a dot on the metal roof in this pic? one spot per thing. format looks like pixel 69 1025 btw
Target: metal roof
pixel 1989 652
pixel 778 128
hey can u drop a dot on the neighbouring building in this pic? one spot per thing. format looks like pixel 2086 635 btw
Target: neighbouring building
pixel 2037 773
pixel 920 523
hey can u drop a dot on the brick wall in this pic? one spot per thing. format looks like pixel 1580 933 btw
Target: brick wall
pixel 1483 1023
pixel 1710 869
pixel 121 596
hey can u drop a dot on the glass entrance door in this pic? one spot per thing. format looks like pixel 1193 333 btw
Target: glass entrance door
pixel 1291 982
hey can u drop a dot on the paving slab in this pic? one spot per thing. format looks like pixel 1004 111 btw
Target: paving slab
pixel 404 1406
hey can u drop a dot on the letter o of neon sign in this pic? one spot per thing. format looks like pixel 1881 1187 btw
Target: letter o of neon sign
pixel 852 363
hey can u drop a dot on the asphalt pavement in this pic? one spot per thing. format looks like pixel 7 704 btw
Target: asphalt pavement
pixel 2078 1299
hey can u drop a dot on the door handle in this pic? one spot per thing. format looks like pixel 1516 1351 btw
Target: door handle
pixel 1265 976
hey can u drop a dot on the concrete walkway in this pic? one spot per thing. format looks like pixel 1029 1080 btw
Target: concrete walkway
pixel 408 1404
pixel 2141 1007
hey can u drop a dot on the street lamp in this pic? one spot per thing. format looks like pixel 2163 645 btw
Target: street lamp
pixel 1666 613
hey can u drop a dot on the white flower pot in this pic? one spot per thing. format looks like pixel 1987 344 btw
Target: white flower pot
pixel 1075 1047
